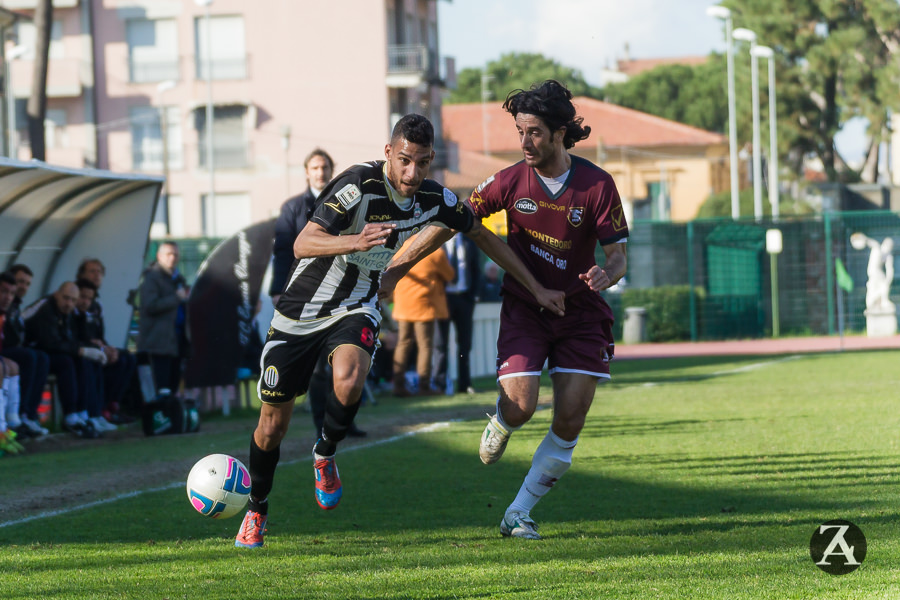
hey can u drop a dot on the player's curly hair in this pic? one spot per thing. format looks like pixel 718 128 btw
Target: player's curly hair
pixel 551 101
pixel 414 128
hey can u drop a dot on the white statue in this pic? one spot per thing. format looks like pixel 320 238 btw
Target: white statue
pixel 880 271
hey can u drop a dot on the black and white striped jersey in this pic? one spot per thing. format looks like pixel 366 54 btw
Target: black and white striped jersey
pixel 323 288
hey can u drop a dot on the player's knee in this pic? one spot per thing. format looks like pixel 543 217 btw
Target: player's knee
pixel 568 427
pixel 347 389
pixel 269 433
pixel 514 414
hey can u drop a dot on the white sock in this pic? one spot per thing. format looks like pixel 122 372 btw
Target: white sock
pixel 83 415
pixel 552 458
pixel 3 425
pixel 13 401
pixel 73 419
pixel 503 423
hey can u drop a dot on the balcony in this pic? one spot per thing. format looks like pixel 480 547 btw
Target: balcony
pixel 32 4
pixel 233 155
pixel 222 68
pixel 411 65
pixel 64 77
pixel 143 71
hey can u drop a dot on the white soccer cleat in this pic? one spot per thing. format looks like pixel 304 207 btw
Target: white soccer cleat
pixel 493 441
pixel 520 525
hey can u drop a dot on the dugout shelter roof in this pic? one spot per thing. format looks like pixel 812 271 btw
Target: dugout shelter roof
pixel 52 218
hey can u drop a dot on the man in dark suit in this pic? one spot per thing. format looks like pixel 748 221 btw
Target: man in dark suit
pixel 295 213
pixel 461 295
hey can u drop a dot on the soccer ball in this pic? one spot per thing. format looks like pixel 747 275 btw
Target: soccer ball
pixel 218 486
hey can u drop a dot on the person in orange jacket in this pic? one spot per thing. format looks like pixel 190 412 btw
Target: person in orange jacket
pixel 419 299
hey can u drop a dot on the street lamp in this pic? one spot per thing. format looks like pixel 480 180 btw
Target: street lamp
pixel 769 54
pixel 748 36
pixel 720 12
pixel 14 53
pixel 162 88
pixel 485 94
pixel 210 162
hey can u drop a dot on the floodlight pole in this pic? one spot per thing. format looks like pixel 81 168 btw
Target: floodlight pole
pixel 769 54
pixel 749 36
pixel 721 12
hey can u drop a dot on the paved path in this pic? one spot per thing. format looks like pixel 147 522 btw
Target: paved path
pixel 762 346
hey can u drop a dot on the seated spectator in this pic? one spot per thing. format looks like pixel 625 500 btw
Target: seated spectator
pixel 49 327
pixel 491 283
pixel 34 365
pixel 419 299
pixel 120 363
pixel 88 331
pixel 8 442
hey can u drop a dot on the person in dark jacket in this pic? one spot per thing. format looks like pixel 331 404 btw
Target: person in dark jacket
pixel 465 258
pixel 161 293
pixel 295 213
pixel 49 327
pixel 34 365
pixel 120 363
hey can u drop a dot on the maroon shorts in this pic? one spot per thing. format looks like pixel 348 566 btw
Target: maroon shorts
pixel 579 342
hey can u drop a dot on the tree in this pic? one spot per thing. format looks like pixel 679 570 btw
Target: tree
pixel 37 103
pixel 688 94
pixel 835 60
pixel 516 71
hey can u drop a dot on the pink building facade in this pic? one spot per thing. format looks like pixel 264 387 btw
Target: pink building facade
pixel 282 77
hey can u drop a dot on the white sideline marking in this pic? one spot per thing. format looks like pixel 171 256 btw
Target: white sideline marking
pixel 754 366
pixel 744 369
pixel 62 511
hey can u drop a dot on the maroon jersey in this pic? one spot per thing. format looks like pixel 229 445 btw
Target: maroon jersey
pixel 555 235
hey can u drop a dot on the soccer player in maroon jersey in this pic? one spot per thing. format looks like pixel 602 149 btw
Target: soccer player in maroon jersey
pixel 559 207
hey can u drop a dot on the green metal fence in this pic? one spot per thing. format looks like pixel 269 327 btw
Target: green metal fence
pixel 722 269
pixel 711 279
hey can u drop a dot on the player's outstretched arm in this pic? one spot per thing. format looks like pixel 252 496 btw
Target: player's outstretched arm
pixel 315 240
pixel 500 252
pixel 424 243
pixel 613 269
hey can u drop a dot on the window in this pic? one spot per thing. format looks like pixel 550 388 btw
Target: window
pixel 55 135
pixel 152 49
pixel 27 36
pixel 146 138
pixel 229 137
pixel 226 214
pixel 224 51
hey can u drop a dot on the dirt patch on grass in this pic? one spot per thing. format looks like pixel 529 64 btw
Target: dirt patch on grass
pixel 21 501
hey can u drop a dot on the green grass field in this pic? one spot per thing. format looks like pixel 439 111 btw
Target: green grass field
pixel 694 478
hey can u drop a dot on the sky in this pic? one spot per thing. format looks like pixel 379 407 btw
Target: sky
pixel 585 34
pixel 589 35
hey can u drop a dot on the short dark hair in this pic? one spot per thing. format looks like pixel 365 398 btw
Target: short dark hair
pixel 83 283
pixel 86 262
pixel 414 128
pixel 550 101
pixel 20 268
pixel 7 277
pixel 318 152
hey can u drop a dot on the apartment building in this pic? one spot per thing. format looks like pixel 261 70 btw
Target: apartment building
pixel 133 84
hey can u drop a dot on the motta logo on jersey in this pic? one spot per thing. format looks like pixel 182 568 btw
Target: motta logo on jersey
pixel 526 206
pixel 838 547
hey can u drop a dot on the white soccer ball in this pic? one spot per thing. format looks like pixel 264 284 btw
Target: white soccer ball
pixel 218 486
